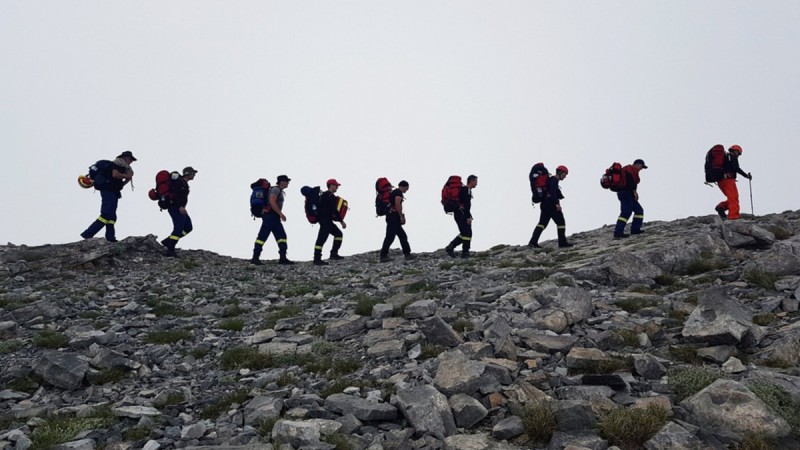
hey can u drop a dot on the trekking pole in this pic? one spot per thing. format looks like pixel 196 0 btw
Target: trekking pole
pixel 750 183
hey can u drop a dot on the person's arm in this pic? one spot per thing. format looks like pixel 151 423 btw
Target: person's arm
pixel 273 204
pixel 398 206
pixel 124 176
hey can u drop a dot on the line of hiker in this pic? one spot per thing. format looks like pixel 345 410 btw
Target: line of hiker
pixel 326 208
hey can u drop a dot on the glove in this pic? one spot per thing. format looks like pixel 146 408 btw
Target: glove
pixel 749 176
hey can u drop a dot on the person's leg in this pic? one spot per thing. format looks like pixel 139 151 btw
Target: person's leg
pixel 338 238
pixel 638 218
pixel 392 223
pixel 322 236
pixel 261 238
pixel 544 219
pixel 625 210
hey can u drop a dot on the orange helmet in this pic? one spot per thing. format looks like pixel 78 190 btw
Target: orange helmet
pixel 735 148
pixel 562 169
pixel 85 182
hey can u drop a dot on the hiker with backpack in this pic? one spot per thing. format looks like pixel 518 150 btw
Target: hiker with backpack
pixel 629 200
pixel 327 214
pixel 271 222
pixel 551 209
pixel 395 219
pixel 108 177
pixel 457 198
pixel 729 208
pixel 178 198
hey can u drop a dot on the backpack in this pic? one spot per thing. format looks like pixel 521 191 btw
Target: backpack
pixel 312 202
pixel 613 178
pixel 715 164
pixel 538 179
pixel 383 196
pixel 100 174
pixel 259 197
pixel 451 193
pixel 161 193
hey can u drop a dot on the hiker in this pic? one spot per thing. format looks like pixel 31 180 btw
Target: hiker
pixel 551 209
pixel 121 173
pixel 395 219
pixel 271 222
pixel 728 184
pixel 181 222
pixel 463 218
pixel 327 213
pixel 629 201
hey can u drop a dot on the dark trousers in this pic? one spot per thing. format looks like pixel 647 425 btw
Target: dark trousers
pixel 394 229
pixel 548 212
pixel 628 205
pixel 464 237
pixel 108 216
pixel 181 226
pixel 327 227
pixel 271 223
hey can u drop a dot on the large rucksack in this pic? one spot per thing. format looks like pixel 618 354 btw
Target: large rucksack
pixel 613 178
pixel 383 195
pixel 451 194
pixel 312 202
pixel 99 174
pixel 715 164
pixel 161 193
pixel 259 197
pixel 538 179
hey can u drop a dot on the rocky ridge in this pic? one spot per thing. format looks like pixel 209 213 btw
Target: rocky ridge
pixel 683 337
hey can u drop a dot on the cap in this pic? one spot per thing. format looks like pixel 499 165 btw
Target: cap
pixel 641 161
pixel 735 148
pixel 562 169
pixel 283 178
pixel 127 154
pixel 332 181
pixel 403 183
pixel 189 170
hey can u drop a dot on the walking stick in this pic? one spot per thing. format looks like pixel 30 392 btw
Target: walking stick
pixel 750 182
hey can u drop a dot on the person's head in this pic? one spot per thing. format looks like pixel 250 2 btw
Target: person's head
pixel 127 155
pixel 403 186
pixel 188 173
pixel 562 172
pixel 333 185
pixel 735 149
pixel 283 181
pixel 472 181
pixel 640 164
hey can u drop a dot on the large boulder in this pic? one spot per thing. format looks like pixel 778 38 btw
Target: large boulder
pixel 337 330
pixel 427 410
pixel 783 258
pixel 739 233
pixel 457 374
pixel 438 332
pixel 721 320
pixel 562 306
pixel 296 433
pixel 63 370
pixel 361 408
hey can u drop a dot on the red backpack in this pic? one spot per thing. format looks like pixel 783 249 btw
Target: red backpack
pixel 383 194
pixel 160 193
pixel 538 179
pixel 451 193
pixel 715 164
pixel 613 178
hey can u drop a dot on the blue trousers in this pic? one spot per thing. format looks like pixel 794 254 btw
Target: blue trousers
pixel 629 205
pixel 271 224
pixel 181 224
pixel 108 216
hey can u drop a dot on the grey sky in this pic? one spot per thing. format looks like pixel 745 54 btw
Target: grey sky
pixel 414 90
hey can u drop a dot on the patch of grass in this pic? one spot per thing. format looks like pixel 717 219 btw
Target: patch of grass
pixel 629 337
pixel 89 314
pixel 421 286
pixel 199 352
pixel 446 265
pixel 755 441
pixel 338 386
pixel 112 375
pixel 167 336
pixel 163 308
pixel 266 426
pixel 703 264
pixel 781 233
pixel 231 324
pixel 10 346
pixel 762 278
pixel 223 404
pixel 539 422
pixel 630 428
pixel 665 279
pixel 339 440
pixel 245 358
pixel 431 351
pixel 364 305
pixel 136 434
pixel 50 339
pixel 286 379
pixel 777 363
pixel 686 353
pixel 641 289
pixel 24 384
pixel 173 398
pixel 233 311
pixel 677 314
pixel 462 324
pixel 282 312
pixel 764 319
pixel 318 330
pixel 632 305
pixel 692 299
pixel 779 401
pixel 59 429
pixel 688 381
pixel 611 365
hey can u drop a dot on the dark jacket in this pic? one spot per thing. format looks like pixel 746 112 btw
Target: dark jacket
pixel 732 166
pixel 116 184
pixel 392 199
pixel 179 193
pixel 632 179
pixel 553 191
pixel 465 201
pixel 327 207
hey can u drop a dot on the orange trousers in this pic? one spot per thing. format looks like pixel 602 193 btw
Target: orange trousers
pixel 728 187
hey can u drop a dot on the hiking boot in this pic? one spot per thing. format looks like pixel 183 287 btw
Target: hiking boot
pixel 285 261
pixel 111 239
pixel 165 242
pixel 465 255
pixel 409 256
pixel 171 253
pixel 637 232
pixel 386 259
pixel 336 257
pixel 319 262
pixel 621 236
pixel 534 245
pixel 256 262
pixel 450 252
pixel 565 245
pixel 721 213
pixel 85 236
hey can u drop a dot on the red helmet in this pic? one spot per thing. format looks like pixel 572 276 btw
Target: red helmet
pixel 735 148
pixel 562 169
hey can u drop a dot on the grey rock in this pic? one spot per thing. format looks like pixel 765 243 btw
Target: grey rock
pixel 738 233
pixel 649 367
pixel 427 410
pixel 438 332
pixel 479 441
pixel 151 445
pixel 575 415
pixel 420 309
pixel 262 336
pixel 382 311
pixel 261 408
pixel 625 268
pixel 278 348
pixel 136 412
pixel 360 408
pixel 467 411
pixel 82 444
pixel 457 374
pixel 193 431
pixel 295 433
pixel 387 349
pixel 508 428
pixel 718 353
pixel 64 370
pixel 585 358
pixel 673 437
pixel 340 329
pixel 718 320
pixel 549 344
pixel 577 441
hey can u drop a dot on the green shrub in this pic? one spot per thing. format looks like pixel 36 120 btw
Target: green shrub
pixel 691 380
pixel 686 353
pixel 136 434
pixel 266 426
pixel 761 278
pixel 167 336
pixel 231 325
pixel 632 305
pixel 163 307
pixel 10 346
pixel 703 264
pixel 755 441
pixel 173 398
pixel 421 286
pixel 199 352
pixel 764 319
pixel 608 366
pixel 286 379
pixel 431 351
pixel 112 375
pixel 539 422
pixel 50 339
pixel 245 358
pixel 223 404
pixel 364 305
pixel 462 324
pixel 629 337
pixel 665 279
pixel 630 428
pixel 779 401
pixel 282 312
pixel 59 429
pixel 340 440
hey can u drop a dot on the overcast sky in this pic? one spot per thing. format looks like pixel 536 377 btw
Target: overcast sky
pixel 414 90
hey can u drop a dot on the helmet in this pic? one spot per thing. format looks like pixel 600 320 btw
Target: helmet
pixel 85 182
pixel 562 169
pixel 735 148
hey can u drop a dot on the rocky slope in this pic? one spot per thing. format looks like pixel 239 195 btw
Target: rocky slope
pixel 684 337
